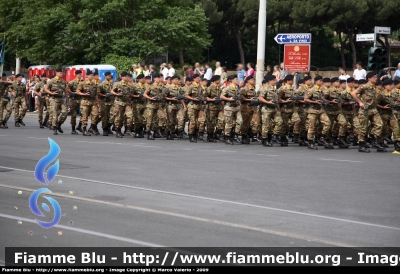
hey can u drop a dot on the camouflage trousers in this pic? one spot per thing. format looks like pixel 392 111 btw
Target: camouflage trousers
pixel 365 116
pixel 338 127
pixel 120 111
pixel 233 119
pixel 129 115
pixel 162 123
pixel 5 105
pixel 287 122
pixel 176 117
pixel 197 119
pixel 215 118
pixel 389 122
pixel 271 122
pixel 351 126
pixel 105 113
pixel 299 120
pixel 112 114
pixel 251 117
pixel 57 106
pixel 19 101
pixel 73 107
pixel 49 115
pixel 139 116
pixel 89 107
pixel 151 114
pixel 313 119
pixel 41 105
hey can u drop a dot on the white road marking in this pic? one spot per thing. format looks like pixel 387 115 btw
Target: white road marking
pixel 35 138
pixel 221 201
pixel 337 160
pixel 85 231
pixel 112 143
pixel 224 150
pixel 263 155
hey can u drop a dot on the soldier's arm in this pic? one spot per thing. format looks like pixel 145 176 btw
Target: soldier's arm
pixel 188 95
pixel 355 94
pixel 99 90
pixel 224 94
pixel 79 91
pixel 48 87
pixel 208 94
pixel 36 90
pixel 146 94
pixel 309 96
pixel 243 94
pixel 381 102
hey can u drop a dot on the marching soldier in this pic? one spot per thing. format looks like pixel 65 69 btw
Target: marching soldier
pixel 348 108
pixel 4 100
pixel 333 111
pixel 37 91
pixel 233 117
pixel 385 104
pixel 366 98
pixel 139 103
pixel 270 111
pixel 396 97
pixel 174 96
pixel 106 101
pixel 299 117
pixel 285 92
pixel 196 114
pixel 215 113
pixel 122 92
pixel 316 114
pixel 75 100
pixel 249 113
pixel 89 104
pixel 154 94
pixel 18 90
pixel 57 89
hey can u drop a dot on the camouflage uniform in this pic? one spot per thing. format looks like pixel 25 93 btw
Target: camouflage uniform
pixel 49 113
pixel 74 101
pixel 196 114
pixel 39 87
pixel 105 103
pixel 388 117
pixel 139 105
pixel 175 109
pixel 367 95
pixel 122 104
pixel 154 108
pixel 395 95
pixel 287 110
pixel 299 117
pixel 88 104
pixel 233 117
pixel 316 114
pixel 271 116
pixel 338 121
pixel 57 104
pixel 19 100
pixel 348 111
pixel 250 114
pixel 215 115
pixel 4 103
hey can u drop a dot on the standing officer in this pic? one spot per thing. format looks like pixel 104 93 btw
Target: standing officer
pixel 316 114
pixel 175 101
pixel 37 91
pixel 106 101
pixel 366 98
pixel 89 103
pixel 196 115
pixel 233 117
pixel 215 115
pixel 384 99
pixel 249 113
pixel 299 117
pixel 4 100
pixel 285 92
pixel 122 92
pixel 57 89
pixel 154 94
pixel 75 100
pixel 139 103
pixel 18 90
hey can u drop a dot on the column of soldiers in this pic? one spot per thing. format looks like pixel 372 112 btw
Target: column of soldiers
pixel 328 113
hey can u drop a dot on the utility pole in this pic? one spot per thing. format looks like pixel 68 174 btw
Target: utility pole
pixel 262 23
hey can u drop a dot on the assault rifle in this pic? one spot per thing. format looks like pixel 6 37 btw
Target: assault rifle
pixel 322 102
pixel 108 95
pixel 181 97
pixel 297 98
pixel 254 103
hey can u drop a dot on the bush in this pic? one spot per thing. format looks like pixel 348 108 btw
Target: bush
pixel 121 63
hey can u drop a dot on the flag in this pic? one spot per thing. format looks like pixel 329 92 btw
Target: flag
pixel 2 51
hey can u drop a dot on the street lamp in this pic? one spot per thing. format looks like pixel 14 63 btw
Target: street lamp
pixel 262 23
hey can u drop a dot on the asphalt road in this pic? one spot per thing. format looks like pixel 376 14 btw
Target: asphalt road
pixel 135 192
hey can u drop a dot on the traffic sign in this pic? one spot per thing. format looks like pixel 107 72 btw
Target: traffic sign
pixel 297 57
pixel 365 37
pixel 382 30
pixel 293 38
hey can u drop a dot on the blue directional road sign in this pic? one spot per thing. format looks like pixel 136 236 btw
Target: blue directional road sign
pixel 293 38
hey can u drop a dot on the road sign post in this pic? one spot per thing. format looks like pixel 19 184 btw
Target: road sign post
pixel 297 57
pixel 365 37
pixel 293 38
pixel 382 30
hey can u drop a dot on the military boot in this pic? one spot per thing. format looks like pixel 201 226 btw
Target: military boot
pixel 192 138
pixel 105 132
pixel 355 141
pixel 335 141
pixel 45 122
pixel 79 128
pixel 210 137
pixel 163 133
pixel 157 134
pixel 389 140
pixel 150 135
pixel 201 136
pixel 55 131
pixel 113 127
pixel 302 142
pixel 311 145
pixel 275 138
pixel 118 133
pixel 397 146
pixel 91 129
pixel 296 138
pixel 228 140
pixel 2 125
pixel 180 135
pixel 174 134
pixel 362 148
pixel 85 132
pixel 245 140
pixel 21 122
pixel 128 131
pixel 59 128
pixel 284 141
pixel 169 136
pixel 41 125
pixel 5 124
pixel 325 143
pixel 235 138
pixel 268 141
pixel 73 130
pixel 342 142
pixel 17 124
pixel 109 129
pixel 376 145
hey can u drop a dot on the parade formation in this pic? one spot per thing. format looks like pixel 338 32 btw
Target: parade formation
pixel 324 112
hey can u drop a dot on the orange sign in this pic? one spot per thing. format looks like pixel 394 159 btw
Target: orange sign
pixel 297 57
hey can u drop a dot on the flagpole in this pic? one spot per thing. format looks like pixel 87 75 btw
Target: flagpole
pixel 3 53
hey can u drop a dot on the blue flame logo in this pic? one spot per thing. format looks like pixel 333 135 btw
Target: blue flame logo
pixel 40 172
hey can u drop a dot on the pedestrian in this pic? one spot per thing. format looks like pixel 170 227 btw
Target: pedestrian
pixel 218 69
pixel 241 73
pixel 283 72
pixel 146 70
pixel 208 72
pixel 171 70
pixel 397 72
pixel 343 74
pixel 250 70
pixel 224 75
pixel 164 70
pixel 359 72
pixel 269 71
